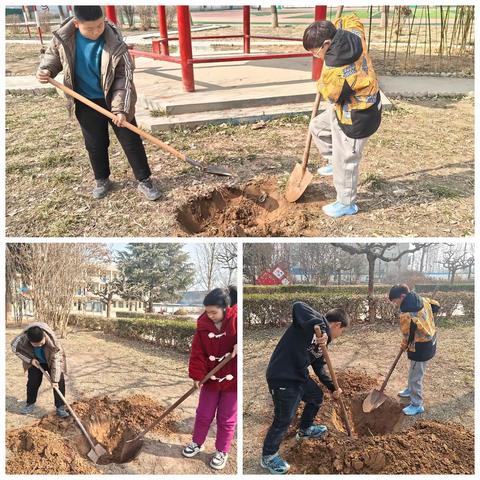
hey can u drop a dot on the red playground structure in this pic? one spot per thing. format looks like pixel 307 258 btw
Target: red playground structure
pixel 160 48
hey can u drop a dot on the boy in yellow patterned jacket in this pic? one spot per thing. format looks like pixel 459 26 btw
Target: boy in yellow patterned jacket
pixel 348 82
pixel 417 323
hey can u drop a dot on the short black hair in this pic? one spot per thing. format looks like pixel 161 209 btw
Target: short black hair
pixel 221 297
pixel 338 315
pixel 87 13
pixel 315 34
pixel 397 290
pixel 35 334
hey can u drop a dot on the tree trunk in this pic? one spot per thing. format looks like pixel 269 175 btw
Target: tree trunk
pixel 109 307
pixel 371 302
pixel 274 16
pixel 422 259
pixel 452 275
pixel 61 13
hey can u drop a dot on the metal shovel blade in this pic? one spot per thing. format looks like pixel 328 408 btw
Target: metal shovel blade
pixel 131 448
pixel 96 452
pixel 213 169
pixel 297 183
pixel 373 400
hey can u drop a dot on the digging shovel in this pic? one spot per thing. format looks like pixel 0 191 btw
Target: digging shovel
pixel 376 397
pixel 96 450
pixel 326 356
pixel 131 448
pixel 213 169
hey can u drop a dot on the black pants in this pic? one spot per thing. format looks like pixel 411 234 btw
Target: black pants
pixel 35 377
pixel 95 133
pixel 286 400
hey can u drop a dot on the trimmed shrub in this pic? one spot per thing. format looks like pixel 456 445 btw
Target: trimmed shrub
pixel 138 315
pixel 275 309
pixel 176 333
pixel 336 289
pixel 444 287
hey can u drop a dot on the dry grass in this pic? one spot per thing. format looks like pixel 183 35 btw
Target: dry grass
pixel 423 183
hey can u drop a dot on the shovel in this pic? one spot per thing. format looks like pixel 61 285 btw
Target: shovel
pixel 131 448
pixel 97 450
pixel 326 356
pixel 301 177
pixel 376 397
pixel 213 169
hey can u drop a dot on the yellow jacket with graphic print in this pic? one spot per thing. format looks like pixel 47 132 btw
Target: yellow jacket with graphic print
pixel 417 324
pixel 348 80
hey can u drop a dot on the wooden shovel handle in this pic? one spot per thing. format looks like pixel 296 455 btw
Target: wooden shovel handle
pixel 326 356
pixel 172 407
pixel 74 415
pixel 392 368
pixel 133 128
pixel 308 143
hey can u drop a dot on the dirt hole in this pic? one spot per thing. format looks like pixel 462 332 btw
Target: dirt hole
pixel 54 445
pixel 383 441
pixel 256 209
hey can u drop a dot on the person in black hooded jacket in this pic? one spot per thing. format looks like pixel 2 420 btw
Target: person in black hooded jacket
pixel 289 382
pixel 349 83
pixel 417 323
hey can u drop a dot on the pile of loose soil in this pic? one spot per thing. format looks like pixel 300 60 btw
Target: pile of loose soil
pixel 379 443
pixel 257 209
pixel 33 451
pixel 55 445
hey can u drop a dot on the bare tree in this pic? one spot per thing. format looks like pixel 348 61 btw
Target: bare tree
pixel 53 272
pixel 207 264
pixel 373 252
pixel 257 257
pixel 227 259
pixel 454 260
pixel 129 12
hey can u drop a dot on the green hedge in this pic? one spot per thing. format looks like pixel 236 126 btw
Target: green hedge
pixel 444 287
pixel 334 289
pixel 275 309
pixel 139 315
pixel 171 332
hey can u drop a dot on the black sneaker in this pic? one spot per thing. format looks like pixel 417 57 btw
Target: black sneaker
pixel 148 188
pixel 101 188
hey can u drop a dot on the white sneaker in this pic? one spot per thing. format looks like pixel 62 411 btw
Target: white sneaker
pixel 192 449
pixel 219 460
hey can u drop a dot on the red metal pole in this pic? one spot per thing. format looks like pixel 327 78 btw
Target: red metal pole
pixel 39 28
pixel 246 29
pixel 185 45
pixel 25 18
pixel 162 27
pixel 111 13
pixel 317 64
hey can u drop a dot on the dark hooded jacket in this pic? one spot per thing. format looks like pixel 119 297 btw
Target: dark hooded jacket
pixel 297 350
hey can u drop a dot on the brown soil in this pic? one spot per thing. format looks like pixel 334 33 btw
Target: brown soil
pixel 257 209
pixel 379 444
pixel 55 445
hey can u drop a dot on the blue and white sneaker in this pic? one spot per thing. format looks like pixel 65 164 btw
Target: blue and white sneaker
pixel 275 464
pixel 315 431
pixel 337 209
pixel 326 171
pixel 405 393
pixel 413 410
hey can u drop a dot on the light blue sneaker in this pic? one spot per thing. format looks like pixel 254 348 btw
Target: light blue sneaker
pixel 337 209
pixel 325 171
pixel 405 393
pixel 413 410
pixel 275 464
pixel 315 431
